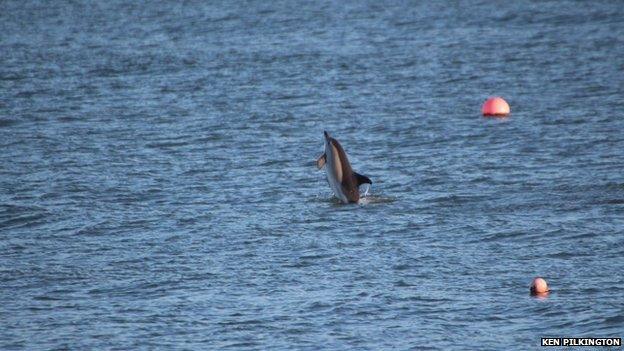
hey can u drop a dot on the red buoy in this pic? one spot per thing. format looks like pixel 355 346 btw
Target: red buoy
pixel 539 287
pixel 495 107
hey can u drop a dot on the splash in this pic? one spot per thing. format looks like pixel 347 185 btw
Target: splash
pixel 376 199
pixel 366 191
pixel 364 198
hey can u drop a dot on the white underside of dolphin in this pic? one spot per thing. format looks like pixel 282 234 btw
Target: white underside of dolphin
pixel 333 169
pixel 343 181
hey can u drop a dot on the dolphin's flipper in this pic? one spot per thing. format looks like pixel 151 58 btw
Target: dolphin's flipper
pixel 320 162
pixel 361 179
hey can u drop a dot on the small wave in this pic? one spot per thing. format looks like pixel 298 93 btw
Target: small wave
pixel 376 199
pixel 456 199
pixel 167 144
pixel 615 320
pixel 12 216
pixel 5 122
pixel 402 284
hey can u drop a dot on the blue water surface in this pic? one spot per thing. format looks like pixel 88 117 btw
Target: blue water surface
pixel 158 188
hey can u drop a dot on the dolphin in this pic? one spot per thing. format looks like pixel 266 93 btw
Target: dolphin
pixel 341 178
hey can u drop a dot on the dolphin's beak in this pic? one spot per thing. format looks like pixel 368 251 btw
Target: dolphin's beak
pixel 326 135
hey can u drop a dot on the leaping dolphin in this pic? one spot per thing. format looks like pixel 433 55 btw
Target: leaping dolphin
pixel 341 178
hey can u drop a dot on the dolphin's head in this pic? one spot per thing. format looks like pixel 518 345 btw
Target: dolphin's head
pixel 327 141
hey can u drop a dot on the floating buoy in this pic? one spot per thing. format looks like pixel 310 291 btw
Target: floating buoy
pixel 495 107
pixel 539 287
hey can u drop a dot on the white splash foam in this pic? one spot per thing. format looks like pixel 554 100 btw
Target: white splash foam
pixel 366 191
pixel 364 199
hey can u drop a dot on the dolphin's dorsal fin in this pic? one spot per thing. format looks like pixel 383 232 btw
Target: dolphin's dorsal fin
pixel 320 162
pixel 361 179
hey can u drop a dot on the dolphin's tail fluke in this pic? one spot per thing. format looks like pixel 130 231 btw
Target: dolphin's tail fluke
pixel 362 179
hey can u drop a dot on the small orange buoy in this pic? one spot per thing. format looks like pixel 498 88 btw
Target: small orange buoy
pixel 495 107
pixel 539 287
